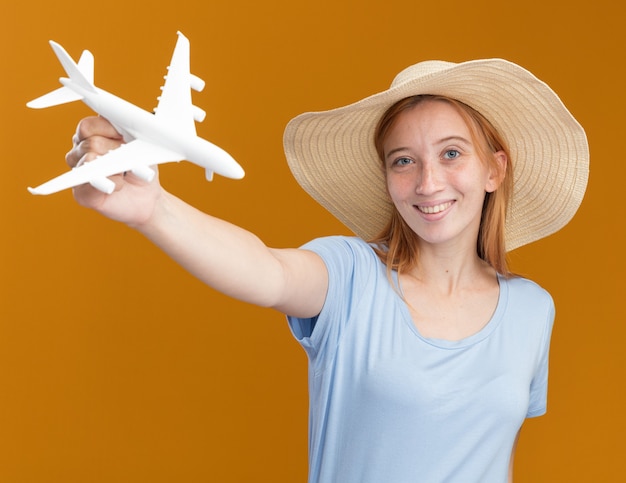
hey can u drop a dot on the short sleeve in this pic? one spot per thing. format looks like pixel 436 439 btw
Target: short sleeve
pixel 343 256
pixel 539 385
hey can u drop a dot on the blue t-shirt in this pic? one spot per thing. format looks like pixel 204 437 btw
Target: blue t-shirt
pixel 390 406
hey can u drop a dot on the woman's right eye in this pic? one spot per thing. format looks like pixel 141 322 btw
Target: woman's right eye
pixel 403 161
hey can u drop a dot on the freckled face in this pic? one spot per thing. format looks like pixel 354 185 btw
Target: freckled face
pixel 434 176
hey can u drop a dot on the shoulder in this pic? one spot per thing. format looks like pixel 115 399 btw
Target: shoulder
pixel 524 289
pixel 338 242
pixel 529 303
pixel 341 249
pixel 351 262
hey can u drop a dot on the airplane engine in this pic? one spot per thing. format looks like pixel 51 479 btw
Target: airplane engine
pixel 198 113
pixel 143 172
pixel 196 83
pixel 103 184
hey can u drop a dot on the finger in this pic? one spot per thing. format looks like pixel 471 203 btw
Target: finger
pixel 73 157
pixel 100 135
pixel 87 158
pixel 95 126
pixel 88 196
pixel 94 145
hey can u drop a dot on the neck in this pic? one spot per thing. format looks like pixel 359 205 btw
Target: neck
pixel 451 268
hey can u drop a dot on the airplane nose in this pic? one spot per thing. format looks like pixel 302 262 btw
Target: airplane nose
pixel 217 160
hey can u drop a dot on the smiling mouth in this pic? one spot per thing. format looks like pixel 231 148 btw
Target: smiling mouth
pixel 430 210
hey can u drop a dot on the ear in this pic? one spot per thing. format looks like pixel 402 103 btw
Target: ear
pixel 497 171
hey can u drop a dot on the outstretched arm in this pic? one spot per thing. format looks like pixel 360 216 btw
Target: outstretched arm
pixel 224 256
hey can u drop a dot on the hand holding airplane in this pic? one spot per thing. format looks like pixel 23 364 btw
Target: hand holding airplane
pixel 165 136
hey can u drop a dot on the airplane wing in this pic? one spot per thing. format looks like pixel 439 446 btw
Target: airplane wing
pixel 135 156
pixel 175 105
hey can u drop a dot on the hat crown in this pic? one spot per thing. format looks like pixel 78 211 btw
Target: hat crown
pixel 421 69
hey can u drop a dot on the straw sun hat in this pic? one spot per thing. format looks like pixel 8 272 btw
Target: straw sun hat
pixel 332 154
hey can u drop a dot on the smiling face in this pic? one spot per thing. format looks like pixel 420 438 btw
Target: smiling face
pixel 435 177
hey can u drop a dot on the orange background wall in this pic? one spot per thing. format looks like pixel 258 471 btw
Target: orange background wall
pixel 115 365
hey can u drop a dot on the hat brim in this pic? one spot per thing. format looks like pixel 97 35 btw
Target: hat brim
pixel 332 155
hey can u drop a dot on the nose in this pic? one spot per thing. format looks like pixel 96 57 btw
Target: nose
pixel 428 179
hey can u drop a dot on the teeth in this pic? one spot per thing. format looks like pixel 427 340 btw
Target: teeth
pixel 434 209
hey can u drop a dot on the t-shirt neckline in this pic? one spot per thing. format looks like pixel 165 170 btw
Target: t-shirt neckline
pixel 474 338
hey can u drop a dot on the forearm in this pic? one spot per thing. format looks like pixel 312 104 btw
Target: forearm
pixel 222 255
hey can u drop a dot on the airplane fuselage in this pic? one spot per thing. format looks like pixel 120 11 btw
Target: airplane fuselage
pixel 141 124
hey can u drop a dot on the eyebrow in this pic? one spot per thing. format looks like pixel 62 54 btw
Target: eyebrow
pixel 440 141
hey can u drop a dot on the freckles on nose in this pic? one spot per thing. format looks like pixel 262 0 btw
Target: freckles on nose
pixel 426 179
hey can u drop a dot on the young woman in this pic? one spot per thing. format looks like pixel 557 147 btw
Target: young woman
pixel 425 353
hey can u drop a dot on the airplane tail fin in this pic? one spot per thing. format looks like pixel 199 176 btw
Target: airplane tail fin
pixel 80 74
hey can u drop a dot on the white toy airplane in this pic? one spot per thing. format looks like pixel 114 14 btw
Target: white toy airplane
pixel 168 135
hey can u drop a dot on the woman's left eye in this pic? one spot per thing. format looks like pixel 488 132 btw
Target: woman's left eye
pixel 451 154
